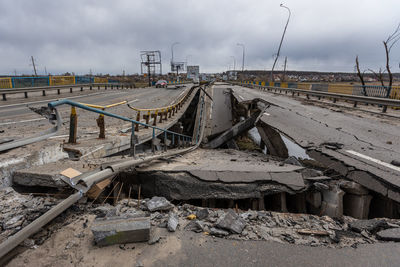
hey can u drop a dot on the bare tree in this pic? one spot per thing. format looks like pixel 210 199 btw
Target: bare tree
pixel 379 75
pixel 361 76
pixel 388 44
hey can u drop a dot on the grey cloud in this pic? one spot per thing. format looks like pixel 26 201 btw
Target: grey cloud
pixel 107 36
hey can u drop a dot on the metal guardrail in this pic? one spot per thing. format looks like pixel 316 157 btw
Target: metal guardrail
pixel 165 112
pixel 384 102
pixel 100 121
pixel 26 90
pixel 182 139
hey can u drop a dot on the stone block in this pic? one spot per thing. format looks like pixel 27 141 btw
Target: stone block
pixel 173 222
pixel 116 230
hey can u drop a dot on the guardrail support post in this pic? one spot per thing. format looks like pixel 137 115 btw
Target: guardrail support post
pixel 43 92
pixel 334 100
pixel 98 87
pixel 100 123
pixel 133 140
pixel 81 88
pixel 153 147
pixel 58 91
pixel 90 87
pixel 355 104
pixel 73 124
pixel 4 97
pixel 26 94
pixel 155 118
pixel 308 96
pixel 384 108
pixel 147 118
pixel 165 141
pixel 70 89
pixel 169 112
pixel 137 119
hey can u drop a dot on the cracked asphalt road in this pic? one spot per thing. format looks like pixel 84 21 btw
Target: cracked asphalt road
pixel 370 142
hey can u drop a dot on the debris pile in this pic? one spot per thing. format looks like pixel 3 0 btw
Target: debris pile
pixel 17 211
pixel 304 229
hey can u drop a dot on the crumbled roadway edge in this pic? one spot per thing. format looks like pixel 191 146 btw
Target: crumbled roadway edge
pixel 84 185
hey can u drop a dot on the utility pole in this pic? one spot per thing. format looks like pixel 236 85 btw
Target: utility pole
pixel 242 45
pixel 234 63
pixel 33 64
pixel 284 70
pixel 45 70
pixel 280 44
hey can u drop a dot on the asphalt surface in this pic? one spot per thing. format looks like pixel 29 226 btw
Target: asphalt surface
pixel 142 95
pixel 195 250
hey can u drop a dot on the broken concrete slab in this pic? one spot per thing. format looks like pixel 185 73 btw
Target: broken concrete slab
pixel 232 222
pixel 202 214
pixel 49 175
pixel 116 230
pixel 332 204
pixel 234 131
pixel 158 204
pixel 392 234
pixel 272 139
pixel 371 226
pixel 293 180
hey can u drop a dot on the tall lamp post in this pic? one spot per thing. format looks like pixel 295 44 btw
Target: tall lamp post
pixel 172 59
pixel 242 45
pixel 280 44
pixel 234 63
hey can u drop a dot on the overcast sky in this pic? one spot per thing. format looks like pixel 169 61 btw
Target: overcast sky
pixel 107 36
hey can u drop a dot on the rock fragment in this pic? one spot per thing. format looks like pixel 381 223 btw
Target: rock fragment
pixel 173 222
pixel 158 204
pixel 218 232
pixel 392 234
pixel 202 214
pixel 232 222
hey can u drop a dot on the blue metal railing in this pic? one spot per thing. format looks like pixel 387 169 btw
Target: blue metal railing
pixel 182 137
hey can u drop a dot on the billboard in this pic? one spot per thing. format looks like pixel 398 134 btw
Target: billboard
pixel 177 66
pixel 193 73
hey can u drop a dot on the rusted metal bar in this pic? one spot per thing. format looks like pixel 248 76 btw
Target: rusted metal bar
pixel 100 123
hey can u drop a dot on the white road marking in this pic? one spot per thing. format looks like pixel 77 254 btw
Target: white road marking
pixel 14 122
pixel 241 97
pixel 390 166
pixel 265 113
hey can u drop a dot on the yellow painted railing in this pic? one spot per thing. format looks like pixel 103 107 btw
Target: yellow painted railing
pixel 61 80
pixel 5 83
pixel 100 80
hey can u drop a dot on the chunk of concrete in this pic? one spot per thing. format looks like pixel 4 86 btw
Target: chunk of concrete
pixel 392 234
pixel 353 188
pixel 356 206
pixel 202 214
pixel 232 222
pixel 116 230
pixel 173 222
pixel 371 226
pixel 218 232
pixel 272 139
pixel 158 204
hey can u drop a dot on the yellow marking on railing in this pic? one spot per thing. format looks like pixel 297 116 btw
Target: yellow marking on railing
pixel 304 86
pixel 61 80
pixel 5 83
pixel 100 80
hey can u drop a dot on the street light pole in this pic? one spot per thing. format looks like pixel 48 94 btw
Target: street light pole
pixel 242 45
pixel 234 63
pixel 172 50
pixel 280 44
